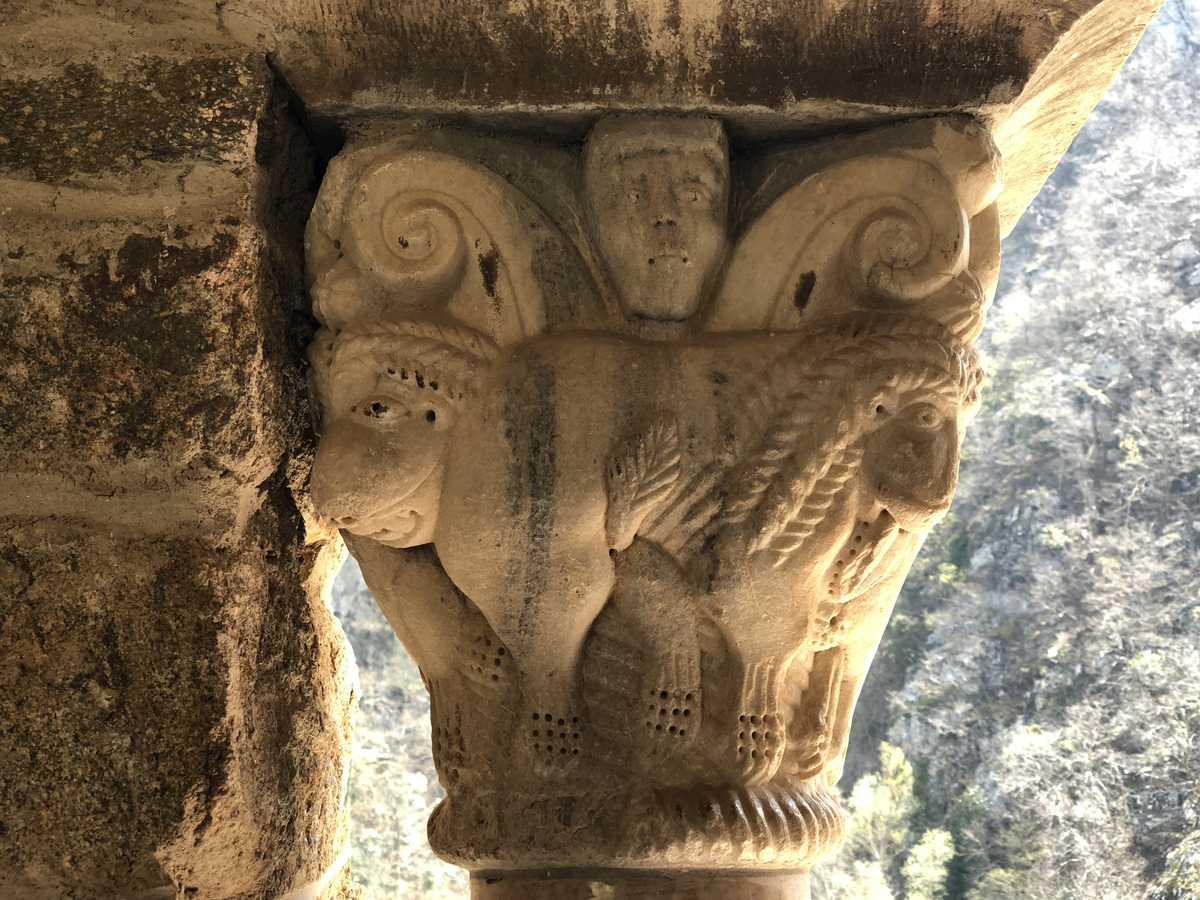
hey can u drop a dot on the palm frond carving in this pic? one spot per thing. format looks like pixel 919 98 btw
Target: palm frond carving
pixel 642 474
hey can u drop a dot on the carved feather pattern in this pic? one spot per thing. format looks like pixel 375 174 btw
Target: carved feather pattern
pixel 643 472
pixel 798 461
pixel 791 482
pixel 814 506
pixel 788 504
pixel 674 524
pixel 795 418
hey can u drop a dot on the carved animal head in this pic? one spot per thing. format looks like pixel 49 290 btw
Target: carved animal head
pixel 913 426
pixel 388 393
pixel 910 461
pixel 657 191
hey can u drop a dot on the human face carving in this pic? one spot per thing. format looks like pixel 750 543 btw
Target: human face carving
pixel 659 216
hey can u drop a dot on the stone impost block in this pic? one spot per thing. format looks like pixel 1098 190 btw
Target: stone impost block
pixel 770 69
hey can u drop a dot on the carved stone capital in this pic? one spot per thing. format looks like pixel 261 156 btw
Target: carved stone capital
pixel 635 446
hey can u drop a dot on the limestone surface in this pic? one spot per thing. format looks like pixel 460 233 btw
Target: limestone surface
pixel 772 70
pixel 173 700
pixel 636 495
pixel 171 675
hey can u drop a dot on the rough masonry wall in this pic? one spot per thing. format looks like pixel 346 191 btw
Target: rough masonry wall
pixel 172 686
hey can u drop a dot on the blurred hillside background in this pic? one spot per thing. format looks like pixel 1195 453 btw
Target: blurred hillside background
pixel 1031 726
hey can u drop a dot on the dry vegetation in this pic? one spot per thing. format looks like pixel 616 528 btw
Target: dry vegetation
pixel 1041 677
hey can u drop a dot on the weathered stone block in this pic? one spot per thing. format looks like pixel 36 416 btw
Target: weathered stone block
pixel 1031 71
pixel 84 120
pixel 173 717
pixel 140 280
pixel 113 692
pixel 174 687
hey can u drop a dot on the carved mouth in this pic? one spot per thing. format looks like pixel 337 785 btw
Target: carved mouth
pixel 403 523
pixel 916 505
pixel 400 518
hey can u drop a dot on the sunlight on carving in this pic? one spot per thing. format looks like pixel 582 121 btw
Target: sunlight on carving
pixel 643 546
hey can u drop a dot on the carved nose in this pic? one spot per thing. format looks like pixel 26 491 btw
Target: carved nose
pixel 329 495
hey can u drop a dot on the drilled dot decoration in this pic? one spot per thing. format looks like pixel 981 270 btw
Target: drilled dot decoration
pixel 669 710
pixel 487 661
pixel 759 736
pixel 557 737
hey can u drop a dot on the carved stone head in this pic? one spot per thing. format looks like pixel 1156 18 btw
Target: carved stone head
pixel 390 393
pixel 657 193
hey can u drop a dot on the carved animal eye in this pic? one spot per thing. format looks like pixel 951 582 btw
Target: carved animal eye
pixel 376 409
pixel 925 415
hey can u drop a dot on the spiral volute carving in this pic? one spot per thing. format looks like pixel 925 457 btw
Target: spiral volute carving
pixel 409 243
pixel 907 251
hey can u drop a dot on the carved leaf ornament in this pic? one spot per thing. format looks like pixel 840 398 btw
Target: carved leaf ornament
pixel 639 503
pixel 641 476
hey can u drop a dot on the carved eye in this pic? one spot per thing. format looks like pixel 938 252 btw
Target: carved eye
pixel 925 415
pixel 691 193
pixel 376 409
pixel 634 197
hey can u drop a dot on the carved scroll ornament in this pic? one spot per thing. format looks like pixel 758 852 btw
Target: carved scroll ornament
pixel 639 499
